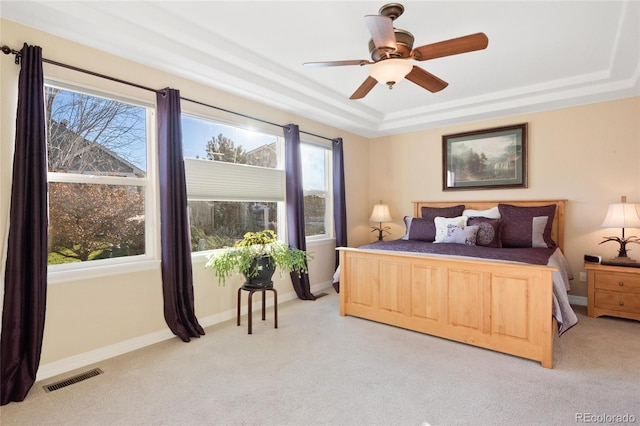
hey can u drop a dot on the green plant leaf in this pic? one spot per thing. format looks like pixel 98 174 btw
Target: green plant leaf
pixel 238 259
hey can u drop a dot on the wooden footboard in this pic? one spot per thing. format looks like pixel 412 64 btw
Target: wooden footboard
pixel 500 306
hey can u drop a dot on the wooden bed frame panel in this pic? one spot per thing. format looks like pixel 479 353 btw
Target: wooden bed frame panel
pixel 500 306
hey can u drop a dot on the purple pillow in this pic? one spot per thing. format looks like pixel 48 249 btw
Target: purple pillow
pixel 428 228
pixel 527 226
pixel 419 229
pixel 489 231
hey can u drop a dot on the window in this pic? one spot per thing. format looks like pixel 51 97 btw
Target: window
pixel 97 173
pixel 216 224
pixel 235 181
pixel 316 172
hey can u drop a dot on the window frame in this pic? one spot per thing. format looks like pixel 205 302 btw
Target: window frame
pixel 150 259
pixel 202 256
pixel 328 177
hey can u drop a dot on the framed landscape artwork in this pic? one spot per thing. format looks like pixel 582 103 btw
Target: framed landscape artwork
pixel 485 159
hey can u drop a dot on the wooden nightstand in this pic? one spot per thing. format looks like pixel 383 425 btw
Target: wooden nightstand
pixel 613 290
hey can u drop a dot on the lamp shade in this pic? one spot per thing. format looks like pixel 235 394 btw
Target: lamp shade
pixel 622 215
pixel 380 213
pixel 390 71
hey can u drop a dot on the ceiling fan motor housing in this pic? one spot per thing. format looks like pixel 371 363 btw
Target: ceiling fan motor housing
pixel 404 43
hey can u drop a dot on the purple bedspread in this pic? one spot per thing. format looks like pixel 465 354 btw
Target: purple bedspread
pixel 534 256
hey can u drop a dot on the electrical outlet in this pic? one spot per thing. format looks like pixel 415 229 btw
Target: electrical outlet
pixel 583 276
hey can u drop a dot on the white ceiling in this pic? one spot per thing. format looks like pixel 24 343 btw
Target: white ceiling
pixel 541 54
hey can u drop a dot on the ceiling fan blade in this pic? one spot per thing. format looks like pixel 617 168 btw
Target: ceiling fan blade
pixel 450 47
pixel 426 80
pixel 382 32
pixel 364 88
pixel 337 63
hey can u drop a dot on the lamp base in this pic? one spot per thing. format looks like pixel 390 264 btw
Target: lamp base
pixel 380 230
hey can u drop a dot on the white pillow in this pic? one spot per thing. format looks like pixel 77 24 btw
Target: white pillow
pixel 441 225
pixel 492 213
pixel 460 235
pixel 538 224
pixel 407 224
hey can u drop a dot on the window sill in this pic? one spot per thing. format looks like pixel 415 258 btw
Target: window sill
pixel 93 272
pixel 320 242
pixel 203 256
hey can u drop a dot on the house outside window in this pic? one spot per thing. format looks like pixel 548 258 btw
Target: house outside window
pixel 97 155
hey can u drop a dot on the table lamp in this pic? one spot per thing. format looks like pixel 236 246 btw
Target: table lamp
pixel 622 215
pixel 380 214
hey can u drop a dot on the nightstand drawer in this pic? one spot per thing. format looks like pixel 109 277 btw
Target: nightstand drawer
pixel 617 301
pixel 617 282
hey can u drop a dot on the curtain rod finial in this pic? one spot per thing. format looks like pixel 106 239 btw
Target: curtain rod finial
pixel 7 51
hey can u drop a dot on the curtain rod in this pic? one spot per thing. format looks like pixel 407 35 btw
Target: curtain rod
pixel 18 54
pixel 252 118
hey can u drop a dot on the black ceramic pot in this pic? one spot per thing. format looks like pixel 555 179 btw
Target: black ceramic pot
pixel 265 268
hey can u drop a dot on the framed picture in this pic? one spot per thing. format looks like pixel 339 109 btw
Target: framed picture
pixel 485 159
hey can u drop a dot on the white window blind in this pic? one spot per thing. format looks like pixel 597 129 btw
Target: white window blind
pixel 218 180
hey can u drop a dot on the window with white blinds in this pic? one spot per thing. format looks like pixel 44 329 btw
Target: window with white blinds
pixel 217 180
pixel 235 181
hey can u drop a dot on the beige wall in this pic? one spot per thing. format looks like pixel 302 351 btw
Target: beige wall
pixel 588 155
pixel 89 318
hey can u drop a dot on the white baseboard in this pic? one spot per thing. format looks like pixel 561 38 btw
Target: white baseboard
pixel 55 368
pixel 87 358
pixel 231 313
pixel 578 300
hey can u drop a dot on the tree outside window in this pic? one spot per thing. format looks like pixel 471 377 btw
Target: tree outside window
pixel 97 160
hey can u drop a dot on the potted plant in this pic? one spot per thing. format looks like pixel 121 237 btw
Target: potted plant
pixel 257 256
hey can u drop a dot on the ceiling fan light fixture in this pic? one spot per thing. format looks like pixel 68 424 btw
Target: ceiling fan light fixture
pixel 390 71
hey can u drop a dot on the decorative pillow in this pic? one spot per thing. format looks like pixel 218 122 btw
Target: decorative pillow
pixel 460 235
pixel 538 227
pixel 442 223
pixel 527 226
pixel 492 213
pixel 407 226
pixel 430 213
pixel 489 232
pixel 419 229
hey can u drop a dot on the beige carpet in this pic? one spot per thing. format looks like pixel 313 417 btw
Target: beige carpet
pixel 320 368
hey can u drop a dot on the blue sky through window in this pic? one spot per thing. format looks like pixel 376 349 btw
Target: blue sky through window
pixel 118 126
pixel 197 132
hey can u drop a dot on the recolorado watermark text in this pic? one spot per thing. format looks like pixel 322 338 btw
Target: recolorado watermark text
pixel 604 418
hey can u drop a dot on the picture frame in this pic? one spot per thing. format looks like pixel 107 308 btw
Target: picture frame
pixel 493 158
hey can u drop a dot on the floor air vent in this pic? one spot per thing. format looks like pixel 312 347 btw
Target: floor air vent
pixel 72 380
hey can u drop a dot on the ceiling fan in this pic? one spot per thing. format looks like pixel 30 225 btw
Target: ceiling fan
pixel 392 49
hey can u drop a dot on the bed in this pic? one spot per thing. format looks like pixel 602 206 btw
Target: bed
pixel 498 303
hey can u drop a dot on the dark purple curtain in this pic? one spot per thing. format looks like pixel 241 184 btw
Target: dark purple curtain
pixel 295 205
pixel 339 200
pixel 25 282
pixel 177 276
